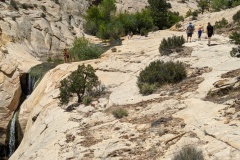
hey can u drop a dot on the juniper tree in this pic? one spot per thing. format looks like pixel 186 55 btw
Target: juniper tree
pixel 78 82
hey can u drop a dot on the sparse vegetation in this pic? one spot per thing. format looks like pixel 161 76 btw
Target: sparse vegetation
pixel 24 6
pixel 43 15
pixel 147 89
pixel 236 17
pixel 13 4
pixel 56 1
pixel 218 5
pixel 78 82
pixel 104 23
pixel 86 100
pixel 168 45
pixel 162 17
pixel 235 37
pixel 203 5
pixel 84 50
pixel 235 52
pixel 120 113
pixel 37 72
pixel 159 73
pixel 43 8
pixel 189 153
pixel 190 13
pixel 221 24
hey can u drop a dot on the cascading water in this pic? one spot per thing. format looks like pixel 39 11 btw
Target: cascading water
pixel 12 137
pixel 31 84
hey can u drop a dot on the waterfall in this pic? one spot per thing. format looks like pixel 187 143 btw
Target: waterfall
pixel 31 84
pixel 12 137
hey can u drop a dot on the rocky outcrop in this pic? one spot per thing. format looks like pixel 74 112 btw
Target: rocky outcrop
pixel 44 26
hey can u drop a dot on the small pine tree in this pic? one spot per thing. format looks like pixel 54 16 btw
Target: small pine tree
pixel 78 82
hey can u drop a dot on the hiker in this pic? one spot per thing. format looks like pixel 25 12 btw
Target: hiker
pixel 200 33
pixel 130 34
pixel 210 33
pixel 66 56
pixel 189 31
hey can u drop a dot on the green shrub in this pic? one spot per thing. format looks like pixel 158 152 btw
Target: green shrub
pixel 120 113
pixel 173 18
pixel 194 18
pixel 235 38
pixel 13 4
pixel 83 50
pixel 235 3
pixel 147 89
pixel 155 28
pixel 129 22
pixel 221 24
pixel 189 153
pixel 24 6
pixel 37 72
pixel 56 1
pixel 43 8
pixel 93 20
pixel 86 100
pixel 98 90
pixel 189 13
pixel 178 25
pixel 14 18
pixel 143 32
pixel 159 73
pixel 43 15
pixel 194 13
pixel 143 20
pixel 236 17
pixel 167 45
pixel 78 82
pixel 218 5
pixel 235 52
pixel 103 23
pixel 203 5
pixel 159 10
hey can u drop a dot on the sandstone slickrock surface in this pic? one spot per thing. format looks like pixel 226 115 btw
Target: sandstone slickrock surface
pixel 91 132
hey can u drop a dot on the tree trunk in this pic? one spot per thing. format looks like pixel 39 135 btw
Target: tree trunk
pixel 79 98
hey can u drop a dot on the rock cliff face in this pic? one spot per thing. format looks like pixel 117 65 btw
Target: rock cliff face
pixel 43 26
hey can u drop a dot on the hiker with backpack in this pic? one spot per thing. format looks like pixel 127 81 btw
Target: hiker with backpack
pixel 189 31
pixel 210 32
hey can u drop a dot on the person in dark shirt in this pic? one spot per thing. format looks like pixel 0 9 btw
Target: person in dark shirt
pixel 210 32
